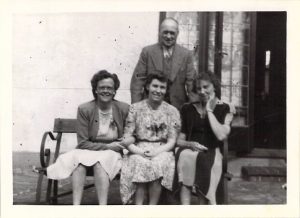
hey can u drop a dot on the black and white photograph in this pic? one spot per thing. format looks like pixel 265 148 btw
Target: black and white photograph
pixel 115 108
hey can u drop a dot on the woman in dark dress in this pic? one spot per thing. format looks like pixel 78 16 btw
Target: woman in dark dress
pixel 205 124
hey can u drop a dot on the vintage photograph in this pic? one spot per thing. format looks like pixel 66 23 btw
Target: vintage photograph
pixel 149 108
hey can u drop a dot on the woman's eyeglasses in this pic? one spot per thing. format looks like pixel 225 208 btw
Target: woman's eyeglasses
pixel 105 88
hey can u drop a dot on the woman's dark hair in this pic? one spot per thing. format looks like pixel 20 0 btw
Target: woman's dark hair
pixel 103 74
pixel 160 77
pixel 208 76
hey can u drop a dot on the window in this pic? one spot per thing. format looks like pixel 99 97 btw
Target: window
pixel 235 51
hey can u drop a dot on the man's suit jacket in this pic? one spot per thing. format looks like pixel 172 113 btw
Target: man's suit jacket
pixel 182 74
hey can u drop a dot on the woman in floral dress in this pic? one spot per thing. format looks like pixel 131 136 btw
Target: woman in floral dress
pixel 150 134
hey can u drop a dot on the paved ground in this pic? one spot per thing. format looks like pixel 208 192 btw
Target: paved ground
pixel 240 192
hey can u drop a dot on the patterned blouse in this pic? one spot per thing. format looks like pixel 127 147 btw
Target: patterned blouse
pixel 146 124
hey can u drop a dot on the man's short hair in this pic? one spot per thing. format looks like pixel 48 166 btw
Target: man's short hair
pixel 170 18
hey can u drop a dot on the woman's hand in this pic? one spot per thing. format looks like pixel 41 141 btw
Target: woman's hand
pixel 151 153
pixel 211 103
pixel 195 146
pixel 115 146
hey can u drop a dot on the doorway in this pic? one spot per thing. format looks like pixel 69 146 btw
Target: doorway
pixel 270 81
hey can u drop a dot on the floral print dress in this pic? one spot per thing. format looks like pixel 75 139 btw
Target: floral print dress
pixel 151 128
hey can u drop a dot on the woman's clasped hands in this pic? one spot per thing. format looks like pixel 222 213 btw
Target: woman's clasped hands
pixel 151 153
pixel 116 146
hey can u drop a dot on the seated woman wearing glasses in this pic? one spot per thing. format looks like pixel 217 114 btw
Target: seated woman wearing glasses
pixel 100 126
pixel 205 124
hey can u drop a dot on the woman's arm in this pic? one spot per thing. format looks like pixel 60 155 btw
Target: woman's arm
pixel 135 150
pixel 221 131
pixel 128 142
pixel 129 132
pixel 181 142
pixel 163 148
pixel 174 127
pixel 168 146
pixel 82 133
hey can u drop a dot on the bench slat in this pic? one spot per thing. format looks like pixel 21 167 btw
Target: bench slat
pixel 65 125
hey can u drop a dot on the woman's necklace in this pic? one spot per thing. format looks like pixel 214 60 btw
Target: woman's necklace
pixel 105 120
pixel 104 112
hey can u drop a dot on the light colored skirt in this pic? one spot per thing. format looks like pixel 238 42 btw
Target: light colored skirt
pixel 138 169
pixel 186 169
pixel 66 163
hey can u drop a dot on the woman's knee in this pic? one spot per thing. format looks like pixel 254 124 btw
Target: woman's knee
pixel 99 171
pixel 80 169
pixel 98 167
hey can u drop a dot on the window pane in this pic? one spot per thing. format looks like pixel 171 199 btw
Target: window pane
pixel 188 32
pixel 235 62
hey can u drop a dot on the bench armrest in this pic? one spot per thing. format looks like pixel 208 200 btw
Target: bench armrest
pixel 45 152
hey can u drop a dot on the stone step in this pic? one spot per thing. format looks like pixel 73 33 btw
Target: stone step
pixel 259 173
pixel 265 153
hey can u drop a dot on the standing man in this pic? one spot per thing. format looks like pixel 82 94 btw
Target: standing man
pixel 170 59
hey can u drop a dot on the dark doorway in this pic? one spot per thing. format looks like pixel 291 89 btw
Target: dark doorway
pixel 270 81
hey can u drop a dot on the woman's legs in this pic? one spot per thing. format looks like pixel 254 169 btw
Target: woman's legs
pixel 78 179
pixel 202 199
pixel 101 183
pixel 185 195
pixel 215 177
pixel 154 192
pixel 139 194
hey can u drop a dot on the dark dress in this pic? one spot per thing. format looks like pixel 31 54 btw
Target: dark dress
pixel 201 171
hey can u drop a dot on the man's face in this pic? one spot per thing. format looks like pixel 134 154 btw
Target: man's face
pixel 168 33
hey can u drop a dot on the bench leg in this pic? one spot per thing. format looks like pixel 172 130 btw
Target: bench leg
pixel 220 195
pixel 55 187
pixel 39 188
pixel 48 194
pixel 222 191
pixel 225 191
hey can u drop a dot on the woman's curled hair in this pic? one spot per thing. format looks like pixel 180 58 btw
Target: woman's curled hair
pixel 211 77
pixel 160 77
pixel 103 74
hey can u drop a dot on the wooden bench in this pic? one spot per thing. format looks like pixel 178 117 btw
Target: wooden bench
pixel 63 126
pixel 222 191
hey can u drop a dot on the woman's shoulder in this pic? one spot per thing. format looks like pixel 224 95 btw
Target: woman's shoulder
pixel 121 104
pixel 186 107
pixel 139 104
pixel 170 108
pixel 226 105
pixel 87 105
